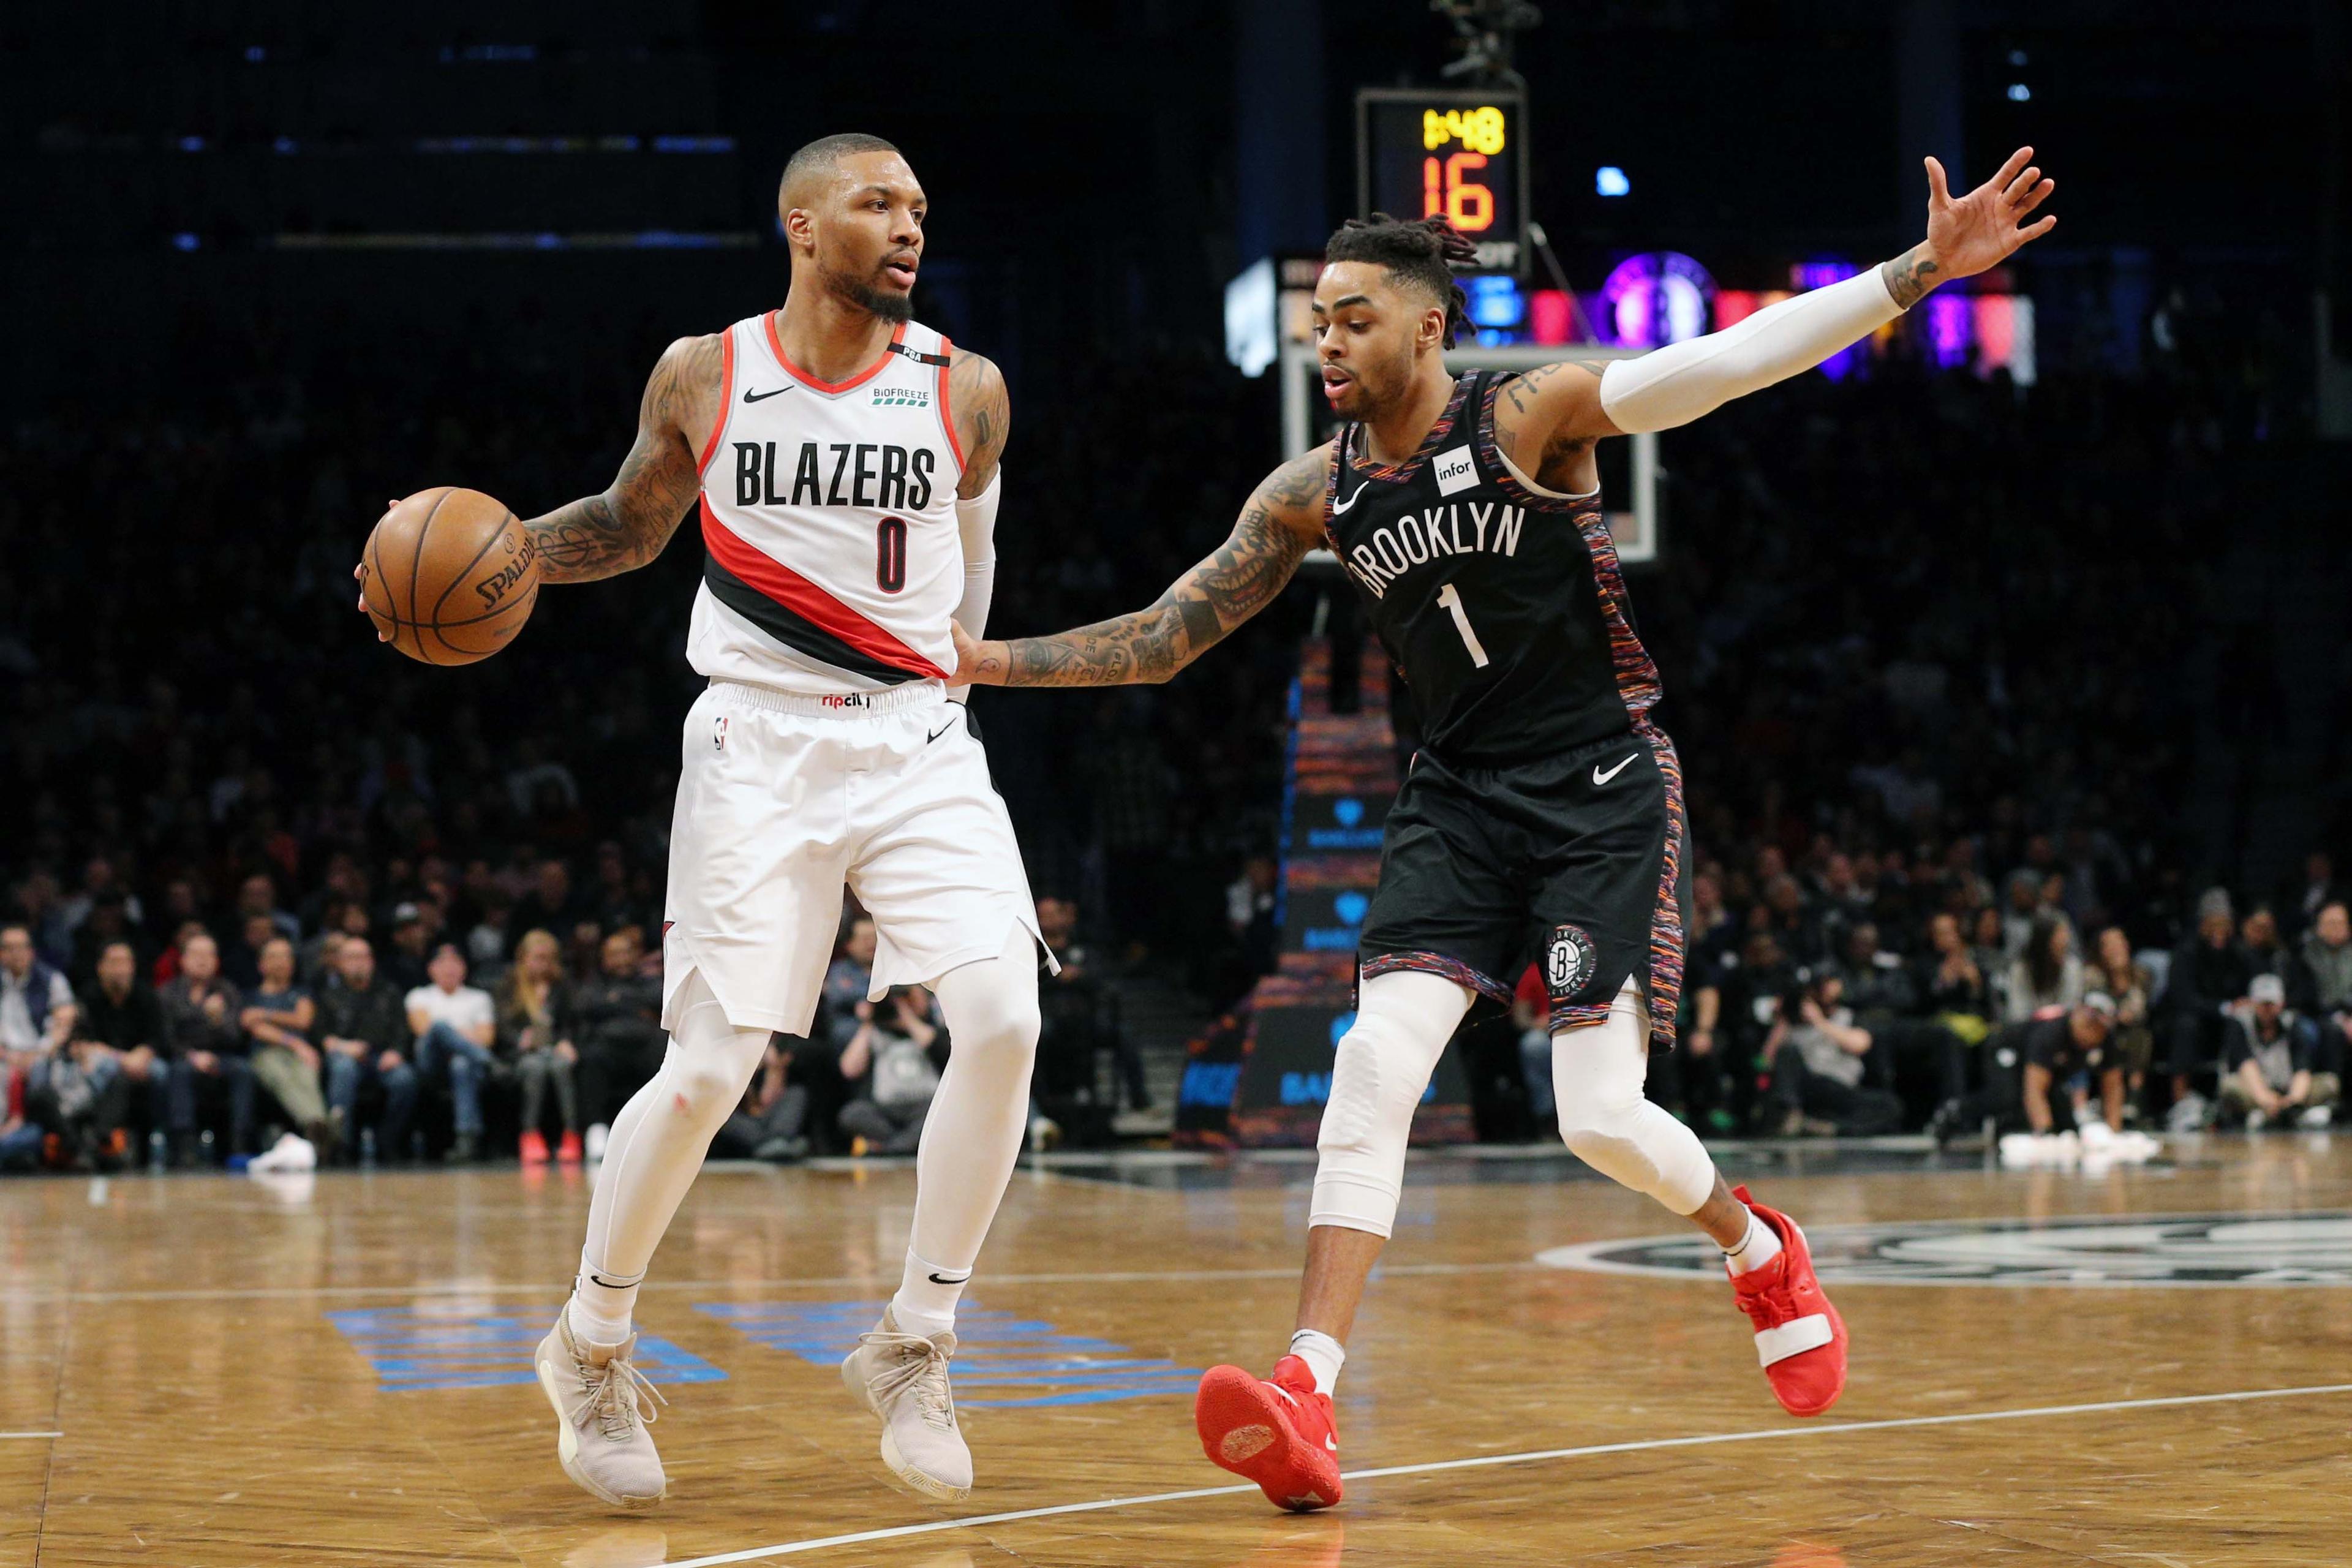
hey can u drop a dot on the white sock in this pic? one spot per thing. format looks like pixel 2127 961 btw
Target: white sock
pixel 601 1308
pixel 1756 1248
pixel 973 1135
pixel 1323 1354
pixel 926 1297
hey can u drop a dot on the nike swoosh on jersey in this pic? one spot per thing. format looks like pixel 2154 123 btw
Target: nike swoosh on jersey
pixel 751 397
pixel 1338 506
pixel 1600 778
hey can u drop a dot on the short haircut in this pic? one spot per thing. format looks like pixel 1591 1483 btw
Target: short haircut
pixel 1422 254
pixel 818 158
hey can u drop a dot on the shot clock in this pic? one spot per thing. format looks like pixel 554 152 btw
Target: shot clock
pixel 1448 154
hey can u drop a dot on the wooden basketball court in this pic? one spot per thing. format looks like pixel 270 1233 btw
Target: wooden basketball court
pixel 2148 1366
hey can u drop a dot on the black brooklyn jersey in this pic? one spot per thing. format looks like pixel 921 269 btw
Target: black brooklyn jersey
pixel 1504 606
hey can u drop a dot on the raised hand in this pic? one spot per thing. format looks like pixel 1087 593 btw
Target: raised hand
pixel 1970 233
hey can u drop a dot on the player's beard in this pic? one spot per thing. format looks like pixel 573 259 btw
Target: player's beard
pixel 889 304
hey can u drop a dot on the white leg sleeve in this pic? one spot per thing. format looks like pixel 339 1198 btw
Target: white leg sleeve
pixel 1404 1019
pixel 1597 1074
pixel 972 1136
pixel 661 1135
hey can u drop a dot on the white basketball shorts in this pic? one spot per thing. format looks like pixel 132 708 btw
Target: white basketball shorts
pixel 785 800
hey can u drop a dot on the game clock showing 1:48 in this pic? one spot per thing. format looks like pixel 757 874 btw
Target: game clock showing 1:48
pixel 1456 155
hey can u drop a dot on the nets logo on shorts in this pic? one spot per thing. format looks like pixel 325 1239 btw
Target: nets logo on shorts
pixel 1568 960
pixel 2209 1250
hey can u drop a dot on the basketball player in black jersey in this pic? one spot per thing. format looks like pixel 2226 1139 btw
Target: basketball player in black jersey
pixel 1543 811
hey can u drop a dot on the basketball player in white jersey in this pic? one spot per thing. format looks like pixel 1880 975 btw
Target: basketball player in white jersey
pixel 845 458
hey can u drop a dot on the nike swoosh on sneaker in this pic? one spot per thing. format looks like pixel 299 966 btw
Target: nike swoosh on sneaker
pixel 1600 778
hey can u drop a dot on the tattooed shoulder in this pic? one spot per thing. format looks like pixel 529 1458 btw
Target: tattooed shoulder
pixel 982 410
pixel 1293 493
pixel 685 385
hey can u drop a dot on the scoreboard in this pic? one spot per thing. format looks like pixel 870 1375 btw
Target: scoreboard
pixel 1449 153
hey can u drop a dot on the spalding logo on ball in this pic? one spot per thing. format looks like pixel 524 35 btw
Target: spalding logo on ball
pixel 449 576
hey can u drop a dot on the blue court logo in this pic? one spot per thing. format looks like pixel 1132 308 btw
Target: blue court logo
pixel 1350 907
pixel 1340 1024
pixel 1348 812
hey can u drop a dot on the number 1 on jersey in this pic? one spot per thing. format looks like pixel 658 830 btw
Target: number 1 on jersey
pixel 1452 600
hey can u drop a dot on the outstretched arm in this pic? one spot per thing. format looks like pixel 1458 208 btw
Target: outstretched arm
pixel 1280 525
pixel 1583 401
pixel 627 525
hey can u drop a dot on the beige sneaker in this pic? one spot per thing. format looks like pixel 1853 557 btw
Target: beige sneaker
pixel 601 1416
pixel 903 1379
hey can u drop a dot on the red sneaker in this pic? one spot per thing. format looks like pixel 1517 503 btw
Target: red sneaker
pixel 534 1147
pixel 568 1151
pixel 1799 1337
pixel 1277 1431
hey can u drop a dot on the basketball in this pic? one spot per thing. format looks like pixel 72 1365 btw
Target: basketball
pixel 449 576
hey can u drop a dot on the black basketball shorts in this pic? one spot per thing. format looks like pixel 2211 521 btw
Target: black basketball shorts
pixel 1574 862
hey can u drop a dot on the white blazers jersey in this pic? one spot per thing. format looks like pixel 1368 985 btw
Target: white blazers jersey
pixel 832 559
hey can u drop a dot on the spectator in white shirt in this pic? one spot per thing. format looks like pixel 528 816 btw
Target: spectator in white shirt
pixel 453 1025
pixel 36 1005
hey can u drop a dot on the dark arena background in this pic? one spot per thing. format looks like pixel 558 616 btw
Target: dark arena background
pixel 2006 655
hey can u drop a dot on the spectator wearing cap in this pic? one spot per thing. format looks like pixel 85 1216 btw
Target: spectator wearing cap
pixel 2208 975
pixel 404 960
pixel 2269 1080
pixel 453 1026
pixel 2058 1052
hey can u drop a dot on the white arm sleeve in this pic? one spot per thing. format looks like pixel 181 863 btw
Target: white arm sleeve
pixel 1677 384
pixel 976 520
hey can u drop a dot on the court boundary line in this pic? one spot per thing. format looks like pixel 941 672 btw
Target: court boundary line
pixel 6 1437
pixel 552 1289
pixel 1485 1461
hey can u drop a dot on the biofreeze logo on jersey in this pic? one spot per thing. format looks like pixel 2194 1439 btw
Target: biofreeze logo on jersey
pixel 902 397
pixel 835 473
pixel 1455 471
pixel 1458 528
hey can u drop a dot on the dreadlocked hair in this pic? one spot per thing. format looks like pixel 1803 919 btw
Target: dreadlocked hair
pixel 1424 253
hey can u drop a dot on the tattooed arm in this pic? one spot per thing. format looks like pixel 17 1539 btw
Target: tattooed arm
pixel 1281 522
pixel 983 417
pixel 1550 414
pixel 625 526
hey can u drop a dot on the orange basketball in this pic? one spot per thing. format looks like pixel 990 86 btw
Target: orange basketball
pixel 449 576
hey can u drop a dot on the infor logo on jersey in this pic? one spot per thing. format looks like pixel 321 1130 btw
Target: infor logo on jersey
pixel 902 397
pixel 1455 471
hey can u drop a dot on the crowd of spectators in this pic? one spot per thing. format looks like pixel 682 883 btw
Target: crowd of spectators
pixel 264 867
